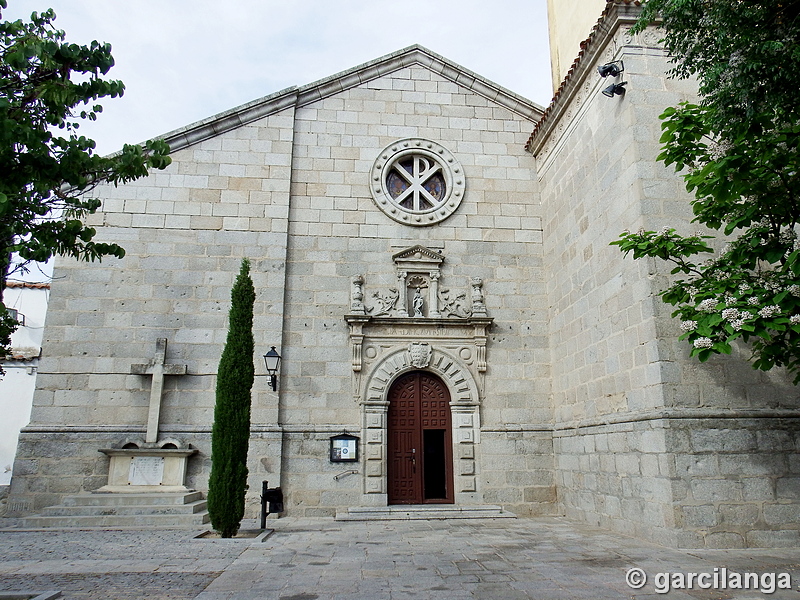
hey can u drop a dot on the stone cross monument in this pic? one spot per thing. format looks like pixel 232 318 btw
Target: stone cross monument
pixel 153 464
pixel 158 368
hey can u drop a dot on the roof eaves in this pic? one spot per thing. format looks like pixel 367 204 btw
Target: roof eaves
pixel 334 84
pixel 23 355
pixel 27 285
pixel 609 20
pixel 420 55
pixel 230 119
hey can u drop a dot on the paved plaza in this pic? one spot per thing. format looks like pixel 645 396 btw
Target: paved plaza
pixel 322 559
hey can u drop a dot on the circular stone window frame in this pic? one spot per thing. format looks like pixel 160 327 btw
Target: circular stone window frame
pixel 451 169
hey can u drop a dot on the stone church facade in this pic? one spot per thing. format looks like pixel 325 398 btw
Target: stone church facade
pixel 422 240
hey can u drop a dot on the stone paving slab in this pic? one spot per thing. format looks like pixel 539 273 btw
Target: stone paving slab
pixel 111 564
pixel 321 559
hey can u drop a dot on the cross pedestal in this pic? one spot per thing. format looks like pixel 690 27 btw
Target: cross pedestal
pixel 152 466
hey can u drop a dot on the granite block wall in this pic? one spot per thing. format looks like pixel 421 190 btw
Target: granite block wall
pixel 336 232
pixel 633 412
pixel 185 231
pixel 284 181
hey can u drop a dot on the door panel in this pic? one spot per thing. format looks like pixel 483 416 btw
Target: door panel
pixel 419 440
pixel 404 439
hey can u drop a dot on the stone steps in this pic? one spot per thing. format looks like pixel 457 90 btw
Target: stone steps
pixel 170 510
pixel 150 499
pixel 423 511
pixel 135 509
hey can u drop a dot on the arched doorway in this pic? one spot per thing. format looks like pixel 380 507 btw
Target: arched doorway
pixel 420 466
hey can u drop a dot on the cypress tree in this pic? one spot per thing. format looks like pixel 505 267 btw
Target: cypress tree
pixel 230 434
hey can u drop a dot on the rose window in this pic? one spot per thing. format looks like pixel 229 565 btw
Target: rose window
pixel 417 182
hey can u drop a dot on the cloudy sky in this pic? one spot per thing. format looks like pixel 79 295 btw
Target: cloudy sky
pixel 183 61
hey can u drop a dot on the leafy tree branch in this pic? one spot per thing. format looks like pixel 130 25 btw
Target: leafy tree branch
pixel 738 153
pixel 47 88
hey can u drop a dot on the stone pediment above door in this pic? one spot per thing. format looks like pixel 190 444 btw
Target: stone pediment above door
pixel 422 313
pixel 418 255
pixel 420 293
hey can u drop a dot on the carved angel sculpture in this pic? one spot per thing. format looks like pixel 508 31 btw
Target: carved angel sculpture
pixel 453 304
pixel 386 303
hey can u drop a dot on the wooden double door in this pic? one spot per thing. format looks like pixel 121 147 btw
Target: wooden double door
pixel 420 466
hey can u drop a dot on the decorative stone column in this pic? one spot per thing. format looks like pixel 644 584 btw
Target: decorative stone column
pixel 433 303
pixel 402 310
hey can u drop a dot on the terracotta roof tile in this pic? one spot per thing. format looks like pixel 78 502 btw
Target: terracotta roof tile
pixel 21 358
pixel 25 284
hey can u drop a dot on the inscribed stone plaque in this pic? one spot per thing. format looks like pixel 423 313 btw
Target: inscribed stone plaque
pixel 146 470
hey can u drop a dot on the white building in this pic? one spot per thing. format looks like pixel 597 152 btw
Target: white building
pixel 29 300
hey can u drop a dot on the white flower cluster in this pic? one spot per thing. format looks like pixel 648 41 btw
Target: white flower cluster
pixel 770 311
pixel 735 317
pixel 754 301
pixel 794 290
pixel 718 149
pixel 729 314
pixel 730 300
pixel 744 288
pixel 664 231
pixel 794 319
pixel 703 342
pixel 787 235
pixel 708 305
pixel 688 325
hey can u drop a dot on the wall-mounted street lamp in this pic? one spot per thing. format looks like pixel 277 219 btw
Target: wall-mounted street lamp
pixel 273 360
pixel 615 89
pixel 612 68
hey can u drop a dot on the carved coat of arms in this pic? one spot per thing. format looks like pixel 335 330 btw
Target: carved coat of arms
pixel 420 354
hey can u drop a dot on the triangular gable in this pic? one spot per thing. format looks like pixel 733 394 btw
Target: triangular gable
pixel 415 55
pixel 418 255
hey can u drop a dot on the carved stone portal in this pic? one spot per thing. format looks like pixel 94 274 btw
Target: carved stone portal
pixel 419 325
pixel 418 310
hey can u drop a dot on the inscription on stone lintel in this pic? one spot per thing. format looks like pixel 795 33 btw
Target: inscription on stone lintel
pixel 450 332
pixel 146 470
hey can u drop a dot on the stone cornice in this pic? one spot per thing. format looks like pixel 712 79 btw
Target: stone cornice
pixel 230 119
pixel 678 413
pixel 421 322
pixel 255 428
pixel 295 97
pixel 617 14
pixel 664 414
